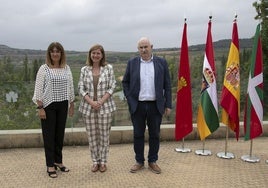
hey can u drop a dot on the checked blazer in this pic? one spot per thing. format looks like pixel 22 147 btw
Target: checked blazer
pixel 107 83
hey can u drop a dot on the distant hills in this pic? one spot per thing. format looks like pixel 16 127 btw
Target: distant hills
pixel 221 44
pixel 243 43
pixel 13 52
pixel 8 51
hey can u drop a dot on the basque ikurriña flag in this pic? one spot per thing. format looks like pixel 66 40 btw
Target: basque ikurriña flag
pixel 254 99
pixel 207 116
pixel 184 124
pixel 230 97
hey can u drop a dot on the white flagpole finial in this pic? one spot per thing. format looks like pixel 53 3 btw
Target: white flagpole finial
pixel 210 15
pixel 235 17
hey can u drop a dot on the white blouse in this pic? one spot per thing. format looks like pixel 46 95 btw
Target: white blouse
pixel 53 85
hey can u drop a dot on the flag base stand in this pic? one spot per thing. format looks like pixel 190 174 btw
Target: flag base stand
pixel 251 159
pixel 203 152
pixel 183 150
pixel 225 155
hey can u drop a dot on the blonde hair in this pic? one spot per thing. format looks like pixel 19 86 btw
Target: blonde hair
pixel 96 47
pixel 59 47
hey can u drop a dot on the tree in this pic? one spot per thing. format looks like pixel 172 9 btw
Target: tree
pixel 35 67
pixel 26 74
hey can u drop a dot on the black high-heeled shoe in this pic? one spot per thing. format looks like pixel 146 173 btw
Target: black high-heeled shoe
pixel 52 174
pixel 62 168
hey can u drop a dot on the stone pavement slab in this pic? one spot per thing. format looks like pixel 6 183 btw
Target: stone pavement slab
pixel 25 167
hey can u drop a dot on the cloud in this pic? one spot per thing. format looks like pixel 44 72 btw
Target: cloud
pixel 117 24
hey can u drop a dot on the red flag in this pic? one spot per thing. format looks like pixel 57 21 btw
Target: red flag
pixel 184 124
pixel 230 98
pixel 254 100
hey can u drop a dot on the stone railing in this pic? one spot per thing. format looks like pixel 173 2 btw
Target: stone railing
pixel 119 135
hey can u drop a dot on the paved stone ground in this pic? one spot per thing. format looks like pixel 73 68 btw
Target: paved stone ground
pixel 24 167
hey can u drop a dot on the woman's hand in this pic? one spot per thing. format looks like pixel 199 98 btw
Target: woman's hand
pixel 71 109
pixel 96 105
pixel 42 113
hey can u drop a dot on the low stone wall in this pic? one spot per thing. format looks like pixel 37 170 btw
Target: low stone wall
pixel 119 134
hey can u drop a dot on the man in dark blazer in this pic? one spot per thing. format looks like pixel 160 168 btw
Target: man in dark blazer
pixel 147 88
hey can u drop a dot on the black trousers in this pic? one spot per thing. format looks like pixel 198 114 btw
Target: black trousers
pixel 146 114
pixel 53 129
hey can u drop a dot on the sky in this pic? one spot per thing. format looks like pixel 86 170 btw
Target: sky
pixel 118 24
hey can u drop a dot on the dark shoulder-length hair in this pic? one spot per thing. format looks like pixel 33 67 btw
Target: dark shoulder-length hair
pixel 60 48
pixel 96 47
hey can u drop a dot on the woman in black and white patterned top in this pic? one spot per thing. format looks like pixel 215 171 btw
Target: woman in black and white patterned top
pixel 54 97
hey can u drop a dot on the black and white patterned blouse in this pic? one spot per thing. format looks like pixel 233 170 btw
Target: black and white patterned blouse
pixel 53 85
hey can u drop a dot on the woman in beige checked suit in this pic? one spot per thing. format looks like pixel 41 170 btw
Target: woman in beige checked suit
pixel 96 86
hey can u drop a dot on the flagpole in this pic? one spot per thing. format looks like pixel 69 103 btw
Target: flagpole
pixel 184 51
pixel 254 110
pixel 209 48
pixel 225 154
pixel 226 113
pixel 250 158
